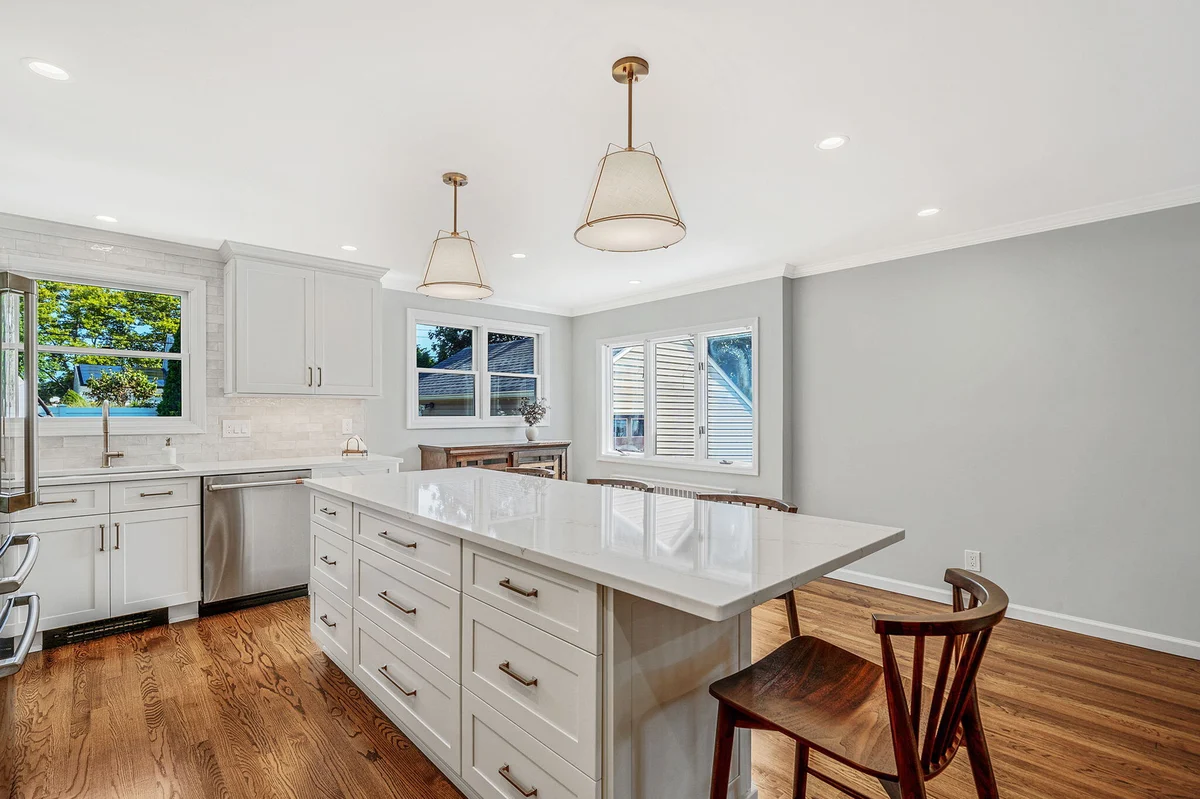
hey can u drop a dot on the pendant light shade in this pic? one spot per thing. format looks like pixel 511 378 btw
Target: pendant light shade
pixel 454 270
pixel 629 207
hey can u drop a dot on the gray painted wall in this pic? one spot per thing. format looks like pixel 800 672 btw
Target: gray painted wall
pixel 765 299
pixel 1037 399
pixel 387 418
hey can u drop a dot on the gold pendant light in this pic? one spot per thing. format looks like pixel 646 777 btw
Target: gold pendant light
pixel 630 207
pixel 455 271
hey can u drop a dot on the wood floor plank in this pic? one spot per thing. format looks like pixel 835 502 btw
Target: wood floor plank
pixel 245 706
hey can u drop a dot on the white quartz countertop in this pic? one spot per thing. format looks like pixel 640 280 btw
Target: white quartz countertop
pixel 714 561
pixel 201 469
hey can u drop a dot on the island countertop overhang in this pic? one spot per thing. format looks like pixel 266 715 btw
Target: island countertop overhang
pixel 713 561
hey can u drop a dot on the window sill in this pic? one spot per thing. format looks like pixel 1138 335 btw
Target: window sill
pixel 449 423
pixel 750 470
pixel 89 426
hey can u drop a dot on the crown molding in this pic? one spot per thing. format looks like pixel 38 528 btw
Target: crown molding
pixel 720 281
pixel 90 235
pixel 1083 216
pixel 235 249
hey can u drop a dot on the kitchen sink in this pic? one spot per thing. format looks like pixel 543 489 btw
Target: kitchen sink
pixel 97 470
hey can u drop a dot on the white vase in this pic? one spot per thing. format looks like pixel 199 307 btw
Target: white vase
pixel 531 433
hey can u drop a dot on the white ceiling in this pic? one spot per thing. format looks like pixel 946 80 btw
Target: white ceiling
pixel 306 124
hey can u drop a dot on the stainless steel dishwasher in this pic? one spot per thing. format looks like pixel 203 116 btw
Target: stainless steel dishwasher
pixel 255 543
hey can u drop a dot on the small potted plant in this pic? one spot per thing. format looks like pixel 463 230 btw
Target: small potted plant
pixel 534 410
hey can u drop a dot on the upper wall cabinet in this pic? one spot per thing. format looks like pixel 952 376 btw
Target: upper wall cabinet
pixel 301 325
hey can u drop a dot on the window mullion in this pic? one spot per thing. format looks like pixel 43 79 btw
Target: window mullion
pixel 649 403
pixel 700 345
pixel 483 380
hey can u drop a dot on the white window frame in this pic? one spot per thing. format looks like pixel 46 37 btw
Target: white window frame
pixel 700 462
pixel 483 383
pixel 193 294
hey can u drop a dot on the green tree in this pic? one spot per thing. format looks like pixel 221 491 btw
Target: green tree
pixel 127 387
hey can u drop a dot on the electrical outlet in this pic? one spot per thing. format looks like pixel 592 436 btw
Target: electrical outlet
pixel 972 560
pixel 347 426
pixel 235 428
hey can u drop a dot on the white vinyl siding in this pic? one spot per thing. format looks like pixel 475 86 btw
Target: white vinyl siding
pixel 651 383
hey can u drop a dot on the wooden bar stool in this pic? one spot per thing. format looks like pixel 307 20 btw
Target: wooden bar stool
pixel 632 485
pixel 789 599
pixel 864 715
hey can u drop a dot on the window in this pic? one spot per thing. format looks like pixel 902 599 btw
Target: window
pixel 471 372
pixel 128 338
pixel 682 398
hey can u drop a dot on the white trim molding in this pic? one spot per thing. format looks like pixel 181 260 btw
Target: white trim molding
pixel 1046 618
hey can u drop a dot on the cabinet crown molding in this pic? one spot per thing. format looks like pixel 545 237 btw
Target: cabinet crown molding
pixel 234 249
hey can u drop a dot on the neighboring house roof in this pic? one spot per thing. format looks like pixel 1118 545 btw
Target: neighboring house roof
pixel 84 372
pixel 503 356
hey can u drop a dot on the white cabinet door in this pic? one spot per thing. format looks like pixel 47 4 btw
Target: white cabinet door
pixel 155 559
pixel 275 329
pixel 71 572
pixel 349 350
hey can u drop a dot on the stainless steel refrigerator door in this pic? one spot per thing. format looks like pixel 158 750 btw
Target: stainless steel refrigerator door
pixel 255 536
pixel 18 392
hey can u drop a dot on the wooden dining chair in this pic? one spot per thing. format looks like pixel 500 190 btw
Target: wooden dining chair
pixel 531 471
pixel 789 599
pixel 866 716
pixel 632 485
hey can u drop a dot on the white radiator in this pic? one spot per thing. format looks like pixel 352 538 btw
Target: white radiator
pixel 672 489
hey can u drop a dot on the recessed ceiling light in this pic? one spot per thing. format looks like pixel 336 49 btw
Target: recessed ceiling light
pixel 45 69
pixel 929 211
pixel 518 255
pixel 635 282
pixel 349 247
pixel 104 218
pixel 832 142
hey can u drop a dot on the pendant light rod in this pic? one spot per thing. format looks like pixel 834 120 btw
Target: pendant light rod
pixel 630 145
pixel 455 179
pixel 628 70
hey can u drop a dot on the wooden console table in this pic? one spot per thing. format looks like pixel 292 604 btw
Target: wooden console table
pixel 497 456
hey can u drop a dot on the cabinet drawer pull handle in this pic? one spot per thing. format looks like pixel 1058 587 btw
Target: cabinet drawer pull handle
pixel 102 538
pixel 328 623
pixel 325 559
pixel 383 670
pixel 118 526
pixel 155 494
pixel 70 501
pixel 328 512
pixel 521 789
pixel 412 545
pixel 319 378
pixel 310 375
pixel 383 595
pixel 507 669
pixel 525 592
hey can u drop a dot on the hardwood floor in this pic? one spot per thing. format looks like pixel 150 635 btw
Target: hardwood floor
pixel 244 705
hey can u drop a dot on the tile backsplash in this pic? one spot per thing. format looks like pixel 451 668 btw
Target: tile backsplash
pixel 280 427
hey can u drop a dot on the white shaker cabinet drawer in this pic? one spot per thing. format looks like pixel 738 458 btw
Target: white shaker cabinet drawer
pixel 144 494
pixel 431 553
pixel 58 502
pixel 334 514
pixel 425 701
pixel 419 612
pixel 558 603
pixel 502 761
pixel 546 686
pixel 331 564
pixel 332 627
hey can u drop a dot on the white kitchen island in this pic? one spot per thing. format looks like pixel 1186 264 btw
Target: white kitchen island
pixel 537 635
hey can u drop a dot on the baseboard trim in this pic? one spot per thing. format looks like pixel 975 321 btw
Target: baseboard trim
pixel 1046 618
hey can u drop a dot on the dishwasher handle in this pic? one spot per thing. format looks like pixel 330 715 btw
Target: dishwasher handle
pixel 262 484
